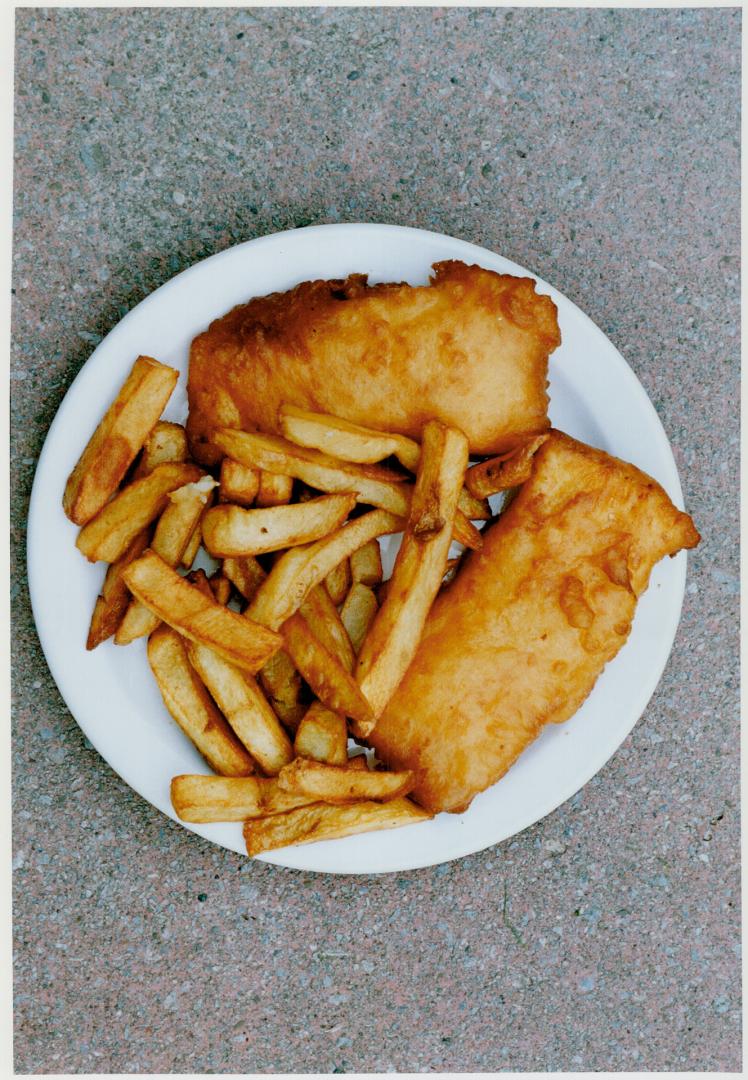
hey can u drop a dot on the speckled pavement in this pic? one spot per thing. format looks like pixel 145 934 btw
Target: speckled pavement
pixel 600 149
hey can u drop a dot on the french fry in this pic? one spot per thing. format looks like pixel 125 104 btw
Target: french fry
pixel 274 490
pixel 239 484
pixel 193 546
pixel 319 821
pixel 203 799
pixel 167 442
pixel 230 531
pixel 116 441
pixel 366 564
pixel 506 471
pixel 115 597
pixel 114 528
pixel 221 587
pixel 300 569
pixel 245 574
pixel 322 735
pixel 358 761
pixel 282 685
pixel 358 613
pixel 351 442
pixel 243 704
pixel 170 539
pixel 184 607
pixel 328 679
pixel 326 625
pixel 337 785
pixel 191 706
pixel 419 568
pixel 338 581
pixel 450 571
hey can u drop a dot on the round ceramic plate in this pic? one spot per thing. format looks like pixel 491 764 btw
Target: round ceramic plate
pixel 111 692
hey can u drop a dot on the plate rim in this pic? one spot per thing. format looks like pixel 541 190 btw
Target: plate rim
pixel 283 857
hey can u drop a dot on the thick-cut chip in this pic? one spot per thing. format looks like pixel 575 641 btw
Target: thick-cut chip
pixel 321 821
pixel 202 799
pixel 274 490
pixel 115 597
pixel 245 574
pixel 167 442
pixel 183 606
pixel 221 587
pixel 326 625
pixel 506 471
pixel 193 546
pixel 230 531
pixel 329 680
pixel 419 568
pixel 358 613
pixel 191 706
pixel 350 442
pixel 244 705
pixel 170 539
pixel 239 484
pixel 338 581
pixel 338 785
pixel 366 564
pixel 300 569
pixel 115 527
pixel 282 685
pixel 121 433
pixel 473 508
pixel 322 735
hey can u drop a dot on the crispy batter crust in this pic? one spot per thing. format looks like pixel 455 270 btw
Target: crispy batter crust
pixel 470 349
pixel 520 637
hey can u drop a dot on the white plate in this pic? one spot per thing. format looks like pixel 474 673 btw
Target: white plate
pixel 594 396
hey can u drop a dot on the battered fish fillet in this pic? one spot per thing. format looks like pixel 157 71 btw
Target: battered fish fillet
pixel 520 637
pixel 470 349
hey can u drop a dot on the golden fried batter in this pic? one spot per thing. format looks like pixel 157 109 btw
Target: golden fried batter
pixel 520 637
pixel 470 349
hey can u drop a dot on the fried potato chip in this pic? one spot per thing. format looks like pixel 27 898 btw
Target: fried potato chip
pixel 121 433
pixel 192 707
pixel 321 821
pixel 281 683
pixel 167 442
pixel 326 625
pixel 366 564
pixel 115 597
pixel 245 574
pixel 419 568
pixel 274 490
pixel 239 484
pixel 358 613
pixel 338 581
pixel 221 587
pixel 328 679
pixel 350 442
pixel 193 546
pixel 231 531
pixel 183 606
pixel 203 799
pixel 110 533
pixel 338 785
pixel 322 735
pixel 506 471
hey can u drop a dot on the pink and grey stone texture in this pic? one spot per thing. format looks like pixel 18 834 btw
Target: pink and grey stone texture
pixel 598 148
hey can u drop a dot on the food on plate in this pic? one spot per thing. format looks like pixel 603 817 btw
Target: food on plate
pixel 328 679
pixel 366 564
pixel 327 626
pixel 322 735
pixel 282 685
pixel 470 349
pixel 506 471
pixel 230 531
pixel 121 433
pixel 419 568
pixel 358 612
pixel 338 581
pixel 114 600
pixel 245 707
pixel 341 439
pixel 192 707
pixel 166 442
pixel 198 617
pixel 274 490
pixel 519 638
pixel 106 537
pixel 245 574
pixel 239 483
pixel 193 546
pixel 203 799
pixel 221 587
pixel 372 484
pixel 172 535
pixel 320 821
pixel 299 569
pixel 338 785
